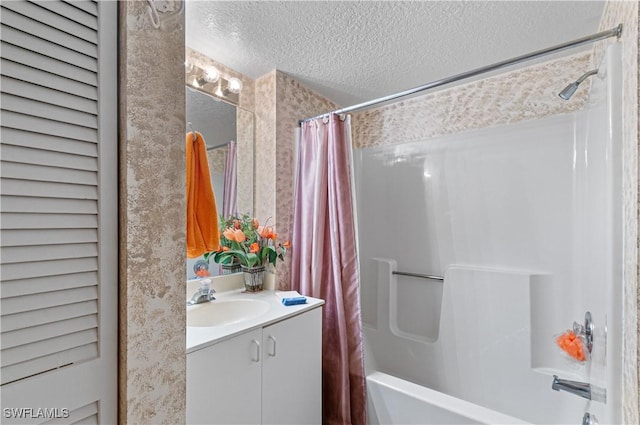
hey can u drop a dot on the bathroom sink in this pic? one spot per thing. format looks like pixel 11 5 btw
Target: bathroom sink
pixel 225 312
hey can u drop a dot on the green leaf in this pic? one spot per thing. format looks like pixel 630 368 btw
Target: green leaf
pixel 264 253
pixel 222 258
pixel 252 260
pixel 273 255
pixel 226 257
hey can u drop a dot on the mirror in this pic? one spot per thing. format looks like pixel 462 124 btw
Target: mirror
pixel 220 123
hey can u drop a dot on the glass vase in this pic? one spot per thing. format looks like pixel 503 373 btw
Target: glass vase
pixel 253 278
pixel 234 267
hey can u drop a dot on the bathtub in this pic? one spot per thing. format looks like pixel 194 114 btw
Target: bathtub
pixel 395 401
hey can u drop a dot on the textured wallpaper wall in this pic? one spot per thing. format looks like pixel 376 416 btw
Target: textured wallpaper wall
pixel 265 148
pixel 152 359
pixel 217 159
pixel 523 94
pixel 245 153
pixel 281 101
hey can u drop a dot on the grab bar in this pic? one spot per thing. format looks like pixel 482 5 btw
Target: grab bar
pixel 420 275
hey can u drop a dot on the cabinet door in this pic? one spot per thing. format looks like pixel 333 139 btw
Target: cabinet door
pixel 292 370
pixel 223 382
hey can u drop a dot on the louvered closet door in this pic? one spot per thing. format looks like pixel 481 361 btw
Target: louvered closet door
pixel 58 259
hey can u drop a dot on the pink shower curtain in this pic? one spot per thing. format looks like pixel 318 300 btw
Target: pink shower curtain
pixel 325 263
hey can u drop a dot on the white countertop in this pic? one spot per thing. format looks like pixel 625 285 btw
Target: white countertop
pixel 201 337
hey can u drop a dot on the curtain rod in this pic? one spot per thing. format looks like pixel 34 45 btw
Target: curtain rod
pixel 617 32
pixel 224 145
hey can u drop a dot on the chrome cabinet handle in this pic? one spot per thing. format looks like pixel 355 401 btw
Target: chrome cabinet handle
pixel 256 358
pixel 273 352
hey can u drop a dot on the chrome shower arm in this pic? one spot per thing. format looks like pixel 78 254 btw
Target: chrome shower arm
pixel 586 75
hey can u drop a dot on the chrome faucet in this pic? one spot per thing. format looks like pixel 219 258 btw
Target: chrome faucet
pixel 204 294
pixel 578 388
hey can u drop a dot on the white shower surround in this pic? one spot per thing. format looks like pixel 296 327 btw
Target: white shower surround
pixel 524 222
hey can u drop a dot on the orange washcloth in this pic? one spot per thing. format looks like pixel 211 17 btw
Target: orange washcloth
pixel 202 215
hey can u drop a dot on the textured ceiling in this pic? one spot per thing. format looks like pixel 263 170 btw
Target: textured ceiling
pixel 360 50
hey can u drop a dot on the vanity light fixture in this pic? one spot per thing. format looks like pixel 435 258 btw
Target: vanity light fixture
pixel 235 85
pixel 211 75
pixel 211 81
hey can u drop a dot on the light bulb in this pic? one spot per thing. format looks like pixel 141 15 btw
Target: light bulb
pixel 188 67
pixel 211 75
pixel 235 85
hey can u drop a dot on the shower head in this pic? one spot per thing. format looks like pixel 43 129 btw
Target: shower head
pixel 568 91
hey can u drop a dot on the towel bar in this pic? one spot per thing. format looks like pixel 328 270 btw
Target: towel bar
pixel 423 276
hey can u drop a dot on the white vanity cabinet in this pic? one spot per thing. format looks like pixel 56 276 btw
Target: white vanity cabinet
pixel 269 375
pixel 292 370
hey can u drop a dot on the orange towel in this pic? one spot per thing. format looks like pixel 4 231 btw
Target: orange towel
pixel 202 216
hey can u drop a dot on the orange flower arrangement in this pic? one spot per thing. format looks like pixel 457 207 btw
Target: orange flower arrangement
pixel 244 239
pixel 572 344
